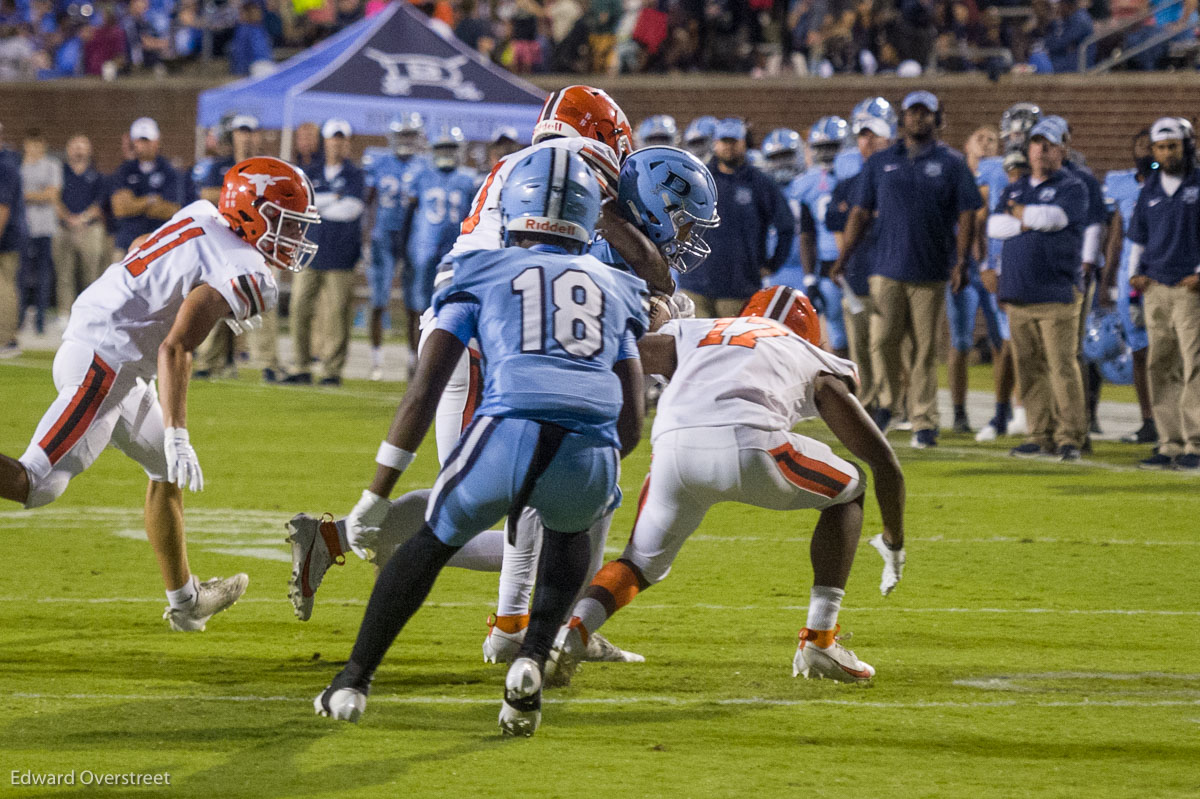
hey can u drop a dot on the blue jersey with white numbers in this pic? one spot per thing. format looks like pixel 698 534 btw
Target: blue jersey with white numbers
pixel 813 191
pixel 847 164
pixel 550 328
pixel 391 179
pixel 443 197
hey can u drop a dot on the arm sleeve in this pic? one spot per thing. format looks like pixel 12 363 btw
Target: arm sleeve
pixel 346 209
pixel 1091 243
pixel 1003 226
pixel 1046 218
pixel 460 317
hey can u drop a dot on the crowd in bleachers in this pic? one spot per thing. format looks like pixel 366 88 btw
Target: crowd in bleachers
pixel 58 38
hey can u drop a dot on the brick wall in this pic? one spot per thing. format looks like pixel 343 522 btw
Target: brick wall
pixel 1104 111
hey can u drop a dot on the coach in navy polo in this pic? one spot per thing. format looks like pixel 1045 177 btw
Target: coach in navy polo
pixel 1041 218
pixel 340 188
pixel 924 197
pixel 146 189
pixel 1165 231
pixel 749 203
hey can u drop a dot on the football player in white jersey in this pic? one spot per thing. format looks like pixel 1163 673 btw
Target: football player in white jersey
pixel 143 318
pixel 723 434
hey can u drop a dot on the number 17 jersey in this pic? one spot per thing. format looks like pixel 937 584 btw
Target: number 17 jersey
pixel 550 328
pixel 744 371
pixel 127 312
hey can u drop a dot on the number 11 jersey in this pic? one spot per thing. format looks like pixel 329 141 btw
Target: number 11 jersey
pixel 127 312
pixel 550 328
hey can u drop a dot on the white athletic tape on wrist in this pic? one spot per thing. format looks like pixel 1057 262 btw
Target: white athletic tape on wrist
pixel 393 457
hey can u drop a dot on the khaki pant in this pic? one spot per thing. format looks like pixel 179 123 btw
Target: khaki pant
pixel 9 263
pixel 1173 325
pixel 906 308
pixel 1045 346
pixel 716 307
pixel 335 288
pixel 858 335
pixel 79 258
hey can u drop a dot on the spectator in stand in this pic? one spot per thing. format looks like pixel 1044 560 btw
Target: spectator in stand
pixel 79 252
pixel 805 20
pixel 146 188
pixel 308 145
pixel 67 51
pixel 603 17
pixel 340 189
pixel 1168 17
pixel 1067 32
pixel 186 33
pixel 12 242
pixel 106 46
pixel 568 36
pixel 926 200
pixel 41 179
pixel 1041 218
pixel 19 55
pixel 748 203
pixel 147 45
pixel 1165 231
pixel 251 44
pixel 526 49
pixel 474 30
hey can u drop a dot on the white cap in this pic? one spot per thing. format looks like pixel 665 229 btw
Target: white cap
pixel 247 121
pixel 334 127
pixel 144 128
pixel 1167 129
pixel 879 127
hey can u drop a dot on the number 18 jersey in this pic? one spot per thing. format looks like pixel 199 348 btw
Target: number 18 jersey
pixel 127 312
pixel 550 328
pixel 742 371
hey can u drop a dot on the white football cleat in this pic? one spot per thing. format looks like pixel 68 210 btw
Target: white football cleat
pixel 602 650
pixel 311 558
pixel 214 596
pixel 828 663
pixel 521 711
pixel 344 704
pixel 499 646
pixel 566 655
pixel 1017 425
pixel 376 374
pixel 987 433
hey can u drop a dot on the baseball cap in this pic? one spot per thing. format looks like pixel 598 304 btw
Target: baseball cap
pixel 505 133
pixel 927 99
pixel 1166 129
pixel 144 128
pixel 1048 129
pixel 244 122
pixel 730 128
pixel 876 125
pixel 335 127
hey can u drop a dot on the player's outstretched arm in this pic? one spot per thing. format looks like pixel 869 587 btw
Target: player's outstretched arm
pixel 633 405
pixel 203 308
pixel 845 416
pixel 637 250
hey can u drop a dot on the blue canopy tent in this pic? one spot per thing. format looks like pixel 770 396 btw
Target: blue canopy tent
pixel 375 69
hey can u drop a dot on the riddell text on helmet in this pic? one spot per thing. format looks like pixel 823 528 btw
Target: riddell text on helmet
pixel 550 226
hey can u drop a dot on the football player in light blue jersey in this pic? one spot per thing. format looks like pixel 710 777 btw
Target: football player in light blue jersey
pixel 698 137
pixel 561 401
pixel 1121 187
pixel 849 161
pixel 809 195
pixel 389 179
pixel 658 130
pixel 436 202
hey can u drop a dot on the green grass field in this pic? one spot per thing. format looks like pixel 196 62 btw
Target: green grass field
pixel 1045 641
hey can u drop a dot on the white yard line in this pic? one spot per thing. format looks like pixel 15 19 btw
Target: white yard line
pixel 752 701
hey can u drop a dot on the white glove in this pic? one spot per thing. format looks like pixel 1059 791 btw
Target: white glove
pixel 239 328
pixel 893 564
pixel 682 306
pixel 363 523
pixel 183 468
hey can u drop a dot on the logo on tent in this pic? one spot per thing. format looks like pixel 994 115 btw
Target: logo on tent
pixel 403 71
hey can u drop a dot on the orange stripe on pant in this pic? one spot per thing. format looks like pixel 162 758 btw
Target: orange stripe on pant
pixel 808 473
pixel 74 421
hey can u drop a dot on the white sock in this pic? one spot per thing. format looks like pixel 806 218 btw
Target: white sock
pixel 823 606
pixel 184 597
pixel 376 357
pixel 591 613
pixel 483 553
pixel 519 571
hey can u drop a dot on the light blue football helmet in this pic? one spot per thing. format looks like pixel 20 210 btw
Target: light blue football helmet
pixel 784 152
pixel 447 147
pixel 826 137
pixel 699 135
pixel 551 192
pixel 1102 338
pixel 1118 370
pixel 659 129
pixel 671 196
pixel 876 107
pixel 406 134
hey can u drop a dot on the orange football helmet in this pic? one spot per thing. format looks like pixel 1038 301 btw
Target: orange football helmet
pixel 270 204
pixel 587 112
pixel 789 307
